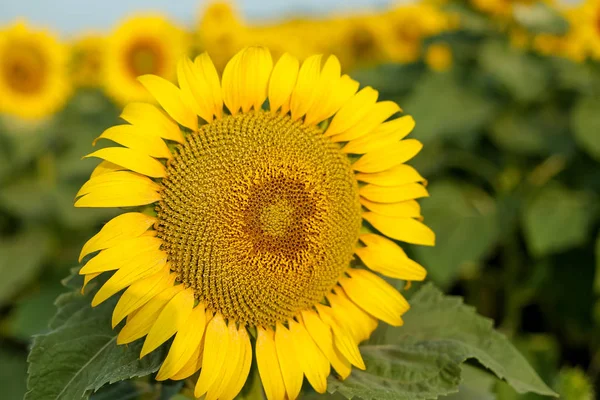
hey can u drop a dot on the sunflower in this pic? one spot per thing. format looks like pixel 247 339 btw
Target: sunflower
pixel 439 57
pixel 585 27
pixel 250 220
pixel 87 58
pixel 141 45
pixel 33 72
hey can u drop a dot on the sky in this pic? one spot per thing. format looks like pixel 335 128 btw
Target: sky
pixel 74 16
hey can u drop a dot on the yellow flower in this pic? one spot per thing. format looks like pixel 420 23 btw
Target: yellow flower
pixel 33 72
pixel 407 26
pixel 499 8
pixel 259 213
pixel 141 45
pixel 221 32
pixel 439 57
pixel 359 40
pixel 585 27
pixel 87 59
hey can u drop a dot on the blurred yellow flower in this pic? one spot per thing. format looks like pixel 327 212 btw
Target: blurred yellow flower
pixel 220 32
pixel 148 44
pixel 585 26
pixel 407 26
pixel 360 40
pixel 87 59
pixel 33 72
pixel 439 57
pixel 499 8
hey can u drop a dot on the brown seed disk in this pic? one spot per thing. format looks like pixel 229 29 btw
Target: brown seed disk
pixel 259 215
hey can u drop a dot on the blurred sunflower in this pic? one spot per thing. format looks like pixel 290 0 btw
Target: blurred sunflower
pixel 221 32
pixel 87 58
pixel 33 72
pixel 141 45
pixel 500 8
pixel 584 23
pixel 361 40
pixel 258 215
pixel 439 57
pixel 406 26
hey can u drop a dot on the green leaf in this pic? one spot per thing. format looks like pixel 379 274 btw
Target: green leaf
pixel 422 359
pixel 401 372
pixel 556 219
pixel 476 385
pixel 462 217
pixel 80 353
pixel 518 73
pixel 459 114
pixel 586 125
pixel 20 259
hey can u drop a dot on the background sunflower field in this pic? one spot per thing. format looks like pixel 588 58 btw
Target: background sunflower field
pixel 506 98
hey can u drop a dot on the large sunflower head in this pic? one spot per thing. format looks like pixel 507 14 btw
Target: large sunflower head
pixel 87 60
pixel 141 45
pixel 33 72
pixel 256 191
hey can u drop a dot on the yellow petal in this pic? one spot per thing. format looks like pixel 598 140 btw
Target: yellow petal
pixel 121 254
pixel 171 100
pixel 268 365
pixel 374 118
pixel 397 176
pixel 170 320
pixel 236 367
pixel 409 208
pixel 393 194
pixel 194 90
pixel 135 138
pixel 324 91
pixel 342 337
pixel 404 229
pixel 345 88
pixel 321 334
pixel 188 337
pixel 255 68
pixel 210 77
pixel 305 93
pixel 288 361
pixel 145 265
pixel 152 121
pixel 193 364
pixel 216 346
pixel 375 296
pixel 388 157
pixel 386 134
pixel 104 167
pixel 282 82
pixel 140 293
pixel 124 226
pixel 384 256
pixel 355 110
pixel 118 189
pixel 139 323
pixel 313 362
pixel 131 159
pixel 358 322
pixel 232 84
pixel 240 374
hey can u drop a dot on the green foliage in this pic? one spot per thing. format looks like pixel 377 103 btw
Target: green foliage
pixel 556 219
pixel 422 359
pixel 586 125
pixel 80 354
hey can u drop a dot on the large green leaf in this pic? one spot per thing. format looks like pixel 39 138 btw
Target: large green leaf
pixel 422 359
pixel 463 218
pixel 586 125
pixel 556 219
pixel 80 354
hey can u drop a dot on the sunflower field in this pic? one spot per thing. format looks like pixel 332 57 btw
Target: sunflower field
pixel 399 203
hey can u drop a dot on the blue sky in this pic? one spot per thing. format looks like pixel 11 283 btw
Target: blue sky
pixel 74 16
